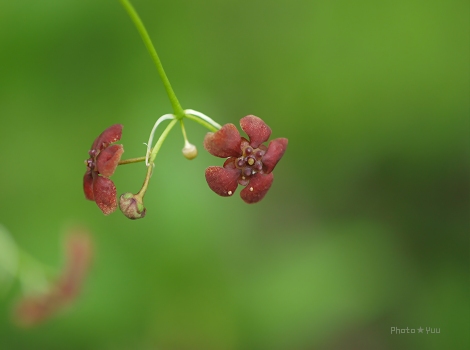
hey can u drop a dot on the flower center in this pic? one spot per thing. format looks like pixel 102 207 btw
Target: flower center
pixel 250 162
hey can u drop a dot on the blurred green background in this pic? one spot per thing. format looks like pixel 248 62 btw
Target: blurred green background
pixel 365 228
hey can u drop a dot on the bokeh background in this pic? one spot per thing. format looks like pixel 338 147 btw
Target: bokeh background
pixel 365 228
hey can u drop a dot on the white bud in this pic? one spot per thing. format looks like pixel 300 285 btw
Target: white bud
pixel 189 151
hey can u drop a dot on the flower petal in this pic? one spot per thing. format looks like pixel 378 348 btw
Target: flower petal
pixel 88 185
pixel 275 151
pixel 105 194
pixel 110 135
pixel 257 188
pixel 256 129
pixel 223 143
pixel 222 181
pixel 244 143
pixel 78 251
pixel 230 163
pixel 108 159
pixel 33 310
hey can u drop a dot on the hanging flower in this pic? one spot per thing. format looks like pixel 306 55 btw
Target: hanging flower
pixel 249 163
pixel 104 159
pixel 34 309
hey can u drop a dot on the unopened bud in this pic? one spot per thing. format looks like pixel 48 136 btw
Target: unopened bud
pixel 132 206
pixel 189 151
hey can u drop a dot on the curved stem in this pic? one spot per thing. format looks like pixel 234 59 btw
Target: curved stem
pixel 160 141
pixel 177 109
pixel 202 119
pixel 142 191
pixel 202 122
pixel 153 155
pixel 152 133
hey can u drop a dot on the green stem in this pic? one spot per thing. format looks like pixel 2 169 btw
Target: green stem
pixel 155 150
pixel 183 130
pixel 131 160
pixel 146 183
pixel 177 109
pixel 202 122
pixel 160 141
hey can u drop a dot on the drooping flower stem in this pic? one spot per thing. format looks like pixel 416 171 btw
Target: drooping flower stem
pixel 202 119
pixel 142 191
pixel 152 156
pixel 152 134
pixel 202 122
pixel 177 109
pixel 155 150
pixel 162 138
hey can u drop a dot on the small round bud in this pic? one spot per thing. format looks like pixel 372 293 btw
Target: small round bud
pixel 132 206
pixel 189 151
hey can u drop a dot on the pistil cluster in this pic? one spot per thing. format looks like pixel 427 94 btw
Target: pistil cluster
pixel 250 163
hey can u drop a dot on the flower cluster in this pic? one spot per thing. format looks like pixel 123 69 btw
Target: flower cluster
pixel 249 163
pixel 34 309
pixel 104 159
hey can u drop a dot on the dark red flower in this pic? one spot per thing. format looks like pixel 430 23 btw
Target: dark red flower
pixel 104 159
pixel 249 163
pixel 34 309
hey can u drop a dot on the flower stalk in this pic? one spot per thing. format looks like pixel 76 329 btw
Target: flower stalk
pixel 202 119
pixel 249 162
pixel 189 150
pixel 131 160
pixel 177 109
